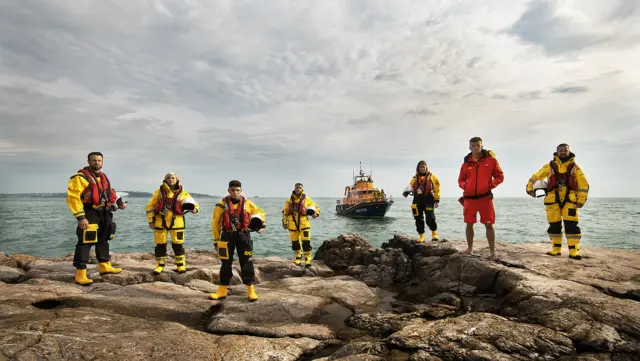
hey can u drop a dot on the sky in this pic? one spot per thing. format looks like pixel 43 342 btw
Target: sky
pixel 277 92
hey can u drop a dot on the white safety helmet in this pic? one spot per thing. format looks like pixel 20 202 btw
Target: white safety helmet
pixel 311 211
pixel 540 188
pixel 188 204
pixel 121 195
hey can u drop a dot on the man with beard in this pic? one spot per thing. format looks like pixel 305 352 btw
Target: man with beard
pixel 92 200
pixel 567 190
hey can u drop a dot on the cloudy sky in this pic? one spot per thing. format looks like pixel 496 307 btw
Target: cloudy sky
pixel 280 91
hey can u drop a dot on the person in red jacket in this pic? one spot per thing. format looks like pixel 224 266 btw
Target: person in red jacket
pixel 479 175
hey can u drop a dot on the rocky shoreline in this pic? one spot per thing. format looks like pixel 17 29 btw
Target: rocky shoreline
pixel 404 301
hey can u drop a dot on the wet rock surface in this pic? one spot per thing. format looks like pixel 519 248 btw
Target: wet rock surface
pixel 404 301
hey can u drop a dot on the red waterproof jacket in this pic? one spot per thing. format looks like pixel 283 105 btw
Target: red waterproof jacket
pixel 478 178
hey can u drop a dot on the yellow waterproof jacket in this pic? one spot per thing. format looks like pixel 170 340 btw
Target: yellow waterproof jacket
pixel 435 189
pixel 294 221
pixel 178 222
pixel 75 187
pixel 218 212
pixel 579 196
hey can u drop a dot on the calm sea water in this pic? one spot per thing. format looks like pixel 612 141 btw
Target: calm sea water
pixel 44 227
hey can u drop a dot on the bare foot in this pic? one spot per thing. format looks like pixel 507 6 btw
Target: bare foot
pixel 493 257
pixel 468 251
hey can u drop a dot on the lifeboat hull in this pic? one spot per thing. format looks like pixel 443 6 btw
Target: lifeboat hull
pixel 366 209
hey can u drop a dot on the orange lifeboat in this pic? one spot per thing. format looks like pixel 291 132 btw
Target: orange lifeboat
pixel 363 198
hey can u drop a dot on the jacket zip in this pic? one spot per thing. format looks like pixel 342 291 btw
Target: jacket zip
pixel 475 192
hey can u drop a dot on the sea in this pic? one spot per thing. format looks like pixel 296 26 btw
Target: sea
pixel 44 227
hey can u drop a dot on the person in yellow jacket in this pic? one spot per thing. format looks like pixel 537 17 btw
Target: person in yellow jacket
pixel 425 188
pixel 91 200
pixel 165 213
pixel 566 191
pixel 295 214
pixel 234 217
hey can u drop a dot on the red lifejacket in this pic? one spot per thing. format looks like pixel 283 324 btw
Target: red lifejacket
pixel 425 186
pixel 567 178
pixel 235 219
pixel 300 208
pixel 165 203
pixel 97 193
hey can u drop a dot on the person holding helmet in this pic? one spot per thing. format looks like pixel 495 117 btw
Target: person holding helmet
pixel 234 217
pixel 425 188
pixel 295 219
pixel 566 191
pixel 165 212
pixel 92 201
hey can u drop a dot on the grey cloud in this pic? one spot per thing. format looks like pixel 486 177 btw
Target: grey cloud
pixel 626 9
pixel 387 76
pixel 219 91
pixel 532 95
pixel 540 25
pixel 420 112
pixel 570 89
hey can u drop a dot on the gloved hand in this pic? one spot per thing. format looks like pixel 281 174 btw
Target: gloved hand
pixel 405 194
pixel 579 205
pixel 461 200
pixel 532 193
pixel 215 244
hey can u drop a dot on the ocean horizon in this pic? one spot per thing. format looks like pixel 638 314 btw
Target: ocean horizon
pixel 44 226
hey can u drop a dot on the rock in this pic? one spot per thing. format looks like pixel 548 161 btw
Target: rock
pixel 424 356
pixel 10 275
pixel 360 357
pixel 482 336
pixel 379 324
pixel 445 306
pixel 16 260
pixel 377 349
pixel 344 251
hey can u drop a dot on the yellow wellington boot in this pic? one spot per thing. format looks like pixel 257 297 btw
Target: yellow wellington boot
pixel 297 258
pixel 307 258
pixel 220 294
pixel 160 264
pixel 252 293
pixel 181 262
pixel 434 235
pixel 556 249
pixel 421 238
pixel 81 277
pixel 105 267
pixel 573 242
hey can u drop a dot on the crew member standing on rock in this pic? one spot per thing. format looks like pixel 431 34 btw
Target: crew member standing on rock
pixel 165 213
pixel 294 218
pixel 234 217
pixel 567 190
pixel 91 200
pixel 480 173
pixel 426 197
